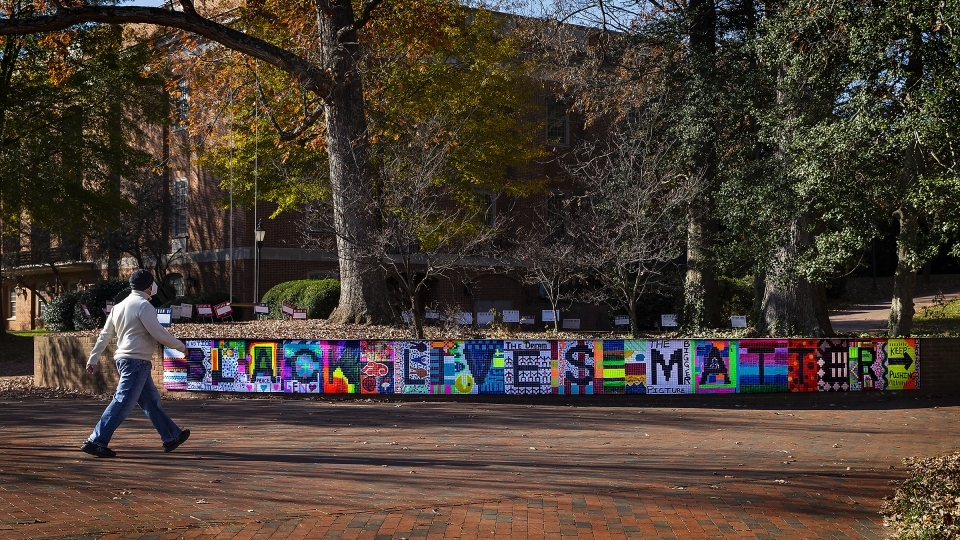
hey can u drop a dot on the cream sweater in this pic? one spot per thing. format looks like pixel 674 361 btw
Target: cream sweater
pixel 134 323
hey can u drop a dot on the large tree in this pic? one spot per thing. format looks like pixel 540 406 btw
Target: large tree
pixel 317 45
pixel 331 77
pixel 693 59
pixel 904 94
pixel 438 78
pixel 860 133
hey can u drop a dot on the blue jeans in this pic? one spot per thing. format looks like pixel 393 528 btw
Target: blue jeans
pixel 135 387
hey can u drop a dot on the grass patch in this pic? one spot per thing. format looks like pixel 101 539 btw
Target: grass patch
pixel 927 506
pixel 31 333
pixel 940 319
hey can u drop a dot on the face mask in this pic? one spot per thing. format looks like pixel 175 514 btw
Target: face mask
pixel 153 288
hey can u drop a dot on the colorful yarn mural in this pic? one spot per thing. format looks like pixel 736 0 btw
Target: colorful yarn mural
pixel 563 367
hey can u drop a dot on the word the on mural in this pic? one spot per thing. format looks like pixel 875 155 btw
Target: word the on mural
pixel 543 367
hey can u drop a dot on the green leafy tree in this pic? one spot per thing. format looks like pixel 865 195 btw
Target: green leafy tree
pixel 860 132
pixel 905 85
pixel 67 134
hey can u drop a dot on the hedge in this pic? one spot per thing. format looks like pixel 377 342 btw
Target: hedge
pixel 317 296
pixel 58 315
pixel 95 298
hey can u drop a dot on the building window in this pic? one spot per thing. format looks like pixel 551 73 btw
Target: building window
pixel 40 307
pixel 176 281
pixel 558 124
pixel 557 216
pixel 179 217
pixel 488 202
pixel 12 302
pixel 181 105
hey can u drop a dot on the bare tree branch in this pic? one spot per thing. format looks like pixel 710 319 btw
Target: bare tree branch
pixel 308 75
pixel 361 21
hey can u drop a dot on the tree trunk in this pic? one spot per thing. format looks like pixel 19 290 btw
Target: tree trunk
pixel 759 289
pixel 415 312
pixel 700 298
pixel 905 278
pixel 417 324
pixel 793 306
pixel 701 306
pixel 556 315
pixel 363 292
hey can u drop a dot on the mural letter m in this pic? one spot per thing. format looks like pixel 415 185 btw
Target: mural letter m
pixel 667 366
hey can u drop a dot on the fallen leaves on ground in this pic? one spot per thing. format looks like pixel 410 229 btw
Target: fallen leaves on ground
pixel 319 329
pixel 928 504
pixel 21 387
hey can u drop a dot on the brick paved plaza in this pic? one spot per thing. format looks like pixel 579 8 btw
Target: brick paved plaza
pixel 295 469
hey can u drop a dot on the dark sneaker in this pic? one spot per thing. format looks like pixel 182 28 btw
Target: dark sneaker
pixel 170 446
pixel 97 450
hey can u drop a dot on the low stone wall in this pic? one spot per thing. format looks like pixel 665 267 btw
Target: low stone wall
pixel 61 361
pixel 940 368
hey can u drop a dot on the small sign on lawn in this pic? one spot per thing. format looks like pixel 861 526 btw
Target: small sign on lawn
pixel 571 324
pixel 223 309
pixel 165 316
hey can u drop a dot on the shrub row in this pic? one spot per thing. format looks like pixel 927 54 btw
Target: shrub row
pixel 65 314
pixel 317 296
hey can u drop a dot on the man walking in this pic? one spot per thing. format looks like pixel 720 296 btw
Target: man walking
pixel 134 323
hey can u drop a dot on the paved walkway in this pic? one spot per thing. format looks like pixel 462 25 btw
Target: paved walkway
pixel 874 317
pixel 292 469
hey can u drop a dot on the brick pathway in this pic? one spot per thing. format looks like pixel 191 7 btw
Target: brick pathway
pixel 292 469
